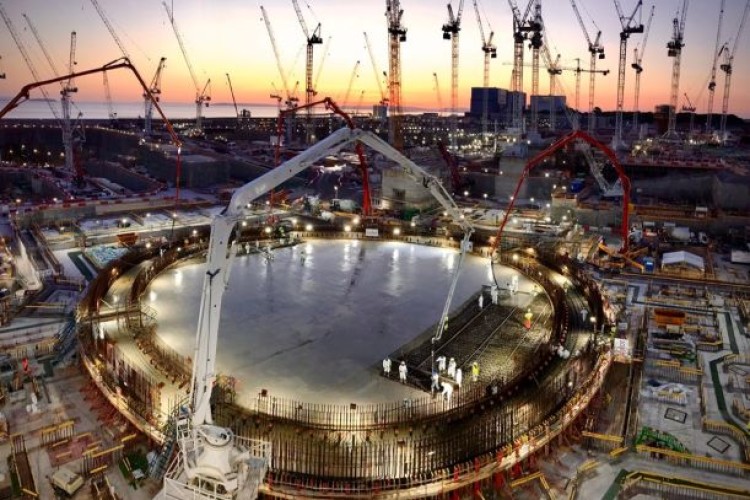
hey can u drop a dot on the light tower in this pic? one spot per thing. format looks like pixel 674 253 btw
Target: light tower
pixel 629 27
pixel 674 50
pixel 490 52
pixel 638 67
pixel 312 39
pixel 451 30
pixel 596 50
pixel 396 35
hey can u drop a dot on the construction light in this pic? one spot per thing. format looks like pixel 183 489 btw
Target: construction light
pixel 396 231
pixel 309 227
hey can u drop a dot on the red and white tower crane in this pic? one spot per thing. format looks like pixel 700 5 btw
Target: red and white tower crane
pixel 312 39
pixel 520 34
pixel 155 89
pixel 714 64
pixel 202 97
pixel 726 67
pixel 596 51
pixel 629 27
pixel 451 31
pixel 638 67
pixel 490 52
pixel 396 35
pixel 674 50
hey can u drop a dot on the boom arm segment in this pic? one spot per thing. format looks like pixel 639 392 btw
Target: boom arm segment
pixel 221 253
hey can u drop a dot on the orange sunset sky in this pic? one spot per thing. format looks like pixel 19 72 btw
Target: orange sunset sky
pixel 230 36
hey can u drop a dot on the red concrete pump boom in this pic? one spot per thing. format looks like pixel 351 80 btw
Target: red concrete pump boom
pixel 330 105
pixel 559 144
pixel 24 95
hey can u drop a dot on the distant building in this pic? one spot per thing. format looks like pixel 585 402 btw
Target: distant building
pixel 379 112
pixel 545 102
pixel 661 118
pixel 499 104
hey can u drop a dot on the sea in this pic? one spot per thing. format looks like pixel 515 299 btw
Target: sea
pixel 39 109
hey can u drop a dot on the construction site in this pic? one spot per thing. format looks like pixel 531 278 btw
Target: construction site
pixel 527 297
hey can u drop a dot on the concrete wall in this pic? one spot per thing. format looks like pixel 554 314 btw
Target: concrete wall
pixel 128 179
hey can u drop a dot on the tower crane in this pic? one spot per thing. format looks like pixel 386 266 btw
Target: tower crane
pixel 359 101
pixel 376 72
pixel 520 33
pixel 638 67
pixel 726 67
pixel 596 51
pixel 111 114
pixel 155 89
pixel 396 35
pixel 202 97
pixel 714 63
pixel 290 99
pixel 105 79
pixel 353 75
pixel 490 52
pixel 553 70
pixel 674 50
pixel 451 31
pixel 312 39
pixel 536 40
pixel 578 70
pixel 629 27
pixel 234 101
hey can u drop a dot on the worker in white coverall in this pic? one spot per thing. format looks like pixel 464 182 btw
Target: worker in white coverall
pixel 481 301
pixel 402 371
pixel 435 381
pixel 452 368
pixel 441 363
pixel 459 377
pixel 447 391
pixel 494 294
pixel 387 367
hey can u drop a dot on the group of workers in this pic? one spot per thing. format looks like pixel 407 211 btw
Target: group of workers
pixel 452 372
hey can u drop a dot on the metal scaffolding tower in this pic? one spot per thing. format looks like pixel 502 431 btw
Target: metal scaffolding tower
pixel 629 27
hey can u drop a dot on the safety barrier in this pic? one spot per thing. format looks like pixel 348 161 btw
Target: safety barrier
pixel 742 438
pixel 674 371
pixel 697 461
pixel 664 486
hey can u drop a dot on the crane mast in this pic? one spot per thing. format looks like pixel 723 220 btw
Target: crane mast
pixel 629 27
pixel 234 101
pixel 520 33
pixel 674 50
pixel 714 62
pixel 155 89
pixel 638 67
pixel 201 97
pixel 537 41
pixel 396 35
pixel 490 52
pixel 727 69
pixel 690 109
pixel 553 70
pixel 108 99
pixel 596 51
pixel 311 39
pixel 451 31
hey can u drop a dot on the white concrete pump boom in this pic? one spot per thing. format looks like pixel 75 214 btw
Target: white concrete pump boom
pixel 212 458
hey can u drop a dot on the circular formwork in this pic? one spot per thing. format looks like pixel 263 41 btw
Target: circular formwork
pixel 411 446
